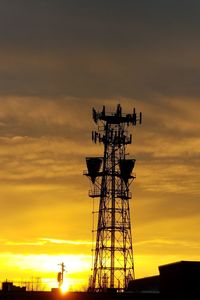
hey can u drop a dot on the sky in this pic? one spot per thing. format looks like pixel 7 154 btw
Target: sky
pixel 58 59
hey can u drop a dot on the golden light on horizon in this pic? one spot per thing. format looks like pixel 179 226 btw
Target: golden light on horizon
pixel 64 287
pixel 45 209
pixel 23 268
pixel 59 59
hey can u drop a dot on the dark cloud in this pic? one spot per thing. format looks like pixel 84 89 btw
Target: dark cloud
pixel 99 49
pixel 58 59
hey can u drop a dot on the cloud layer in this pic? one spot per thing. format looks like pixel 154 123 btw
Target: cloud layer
pixel 58 59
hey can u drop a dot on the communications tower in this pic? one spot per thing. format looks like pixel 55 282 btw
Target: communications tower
pixel 60 275
pixel 111 177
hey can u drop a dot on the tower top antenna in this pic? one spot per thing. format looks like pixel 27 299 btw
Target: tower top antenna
pixel 117 117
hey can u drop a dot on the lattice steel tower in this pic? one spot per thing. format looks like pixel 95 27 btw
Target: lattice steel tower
pixel 111 176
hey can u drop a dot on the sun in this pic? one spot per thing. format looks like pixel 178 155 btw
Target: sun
pixel 64 287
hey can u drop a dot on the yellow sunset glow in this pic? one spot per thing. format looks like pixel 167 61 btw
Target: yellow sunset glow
pixel 64 287
pixel 46 214
pixel 58 60
pixel 23 268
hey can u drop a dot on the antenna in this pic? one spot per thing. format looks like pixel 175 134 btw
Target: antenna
pixel 111 177
pixel 60 275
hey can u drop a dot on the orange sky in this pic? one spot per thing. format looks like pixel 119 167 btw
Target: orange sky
pixel 57 62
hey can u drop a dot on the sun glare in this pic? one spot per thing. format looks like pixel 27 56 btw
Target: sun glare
pixel 64 287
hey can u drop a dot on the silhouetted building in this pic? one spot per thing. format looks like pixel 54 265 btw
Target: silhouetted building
pixel 10 287
pixel 145 285
pixel 180 278
pixel 175 279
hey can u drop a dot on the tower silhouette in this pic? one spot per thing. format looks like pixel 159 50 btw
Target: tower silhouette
pixel 111 177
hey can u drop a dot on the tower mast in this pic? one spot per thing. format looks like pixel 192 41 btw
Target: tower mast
pixel 111 176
